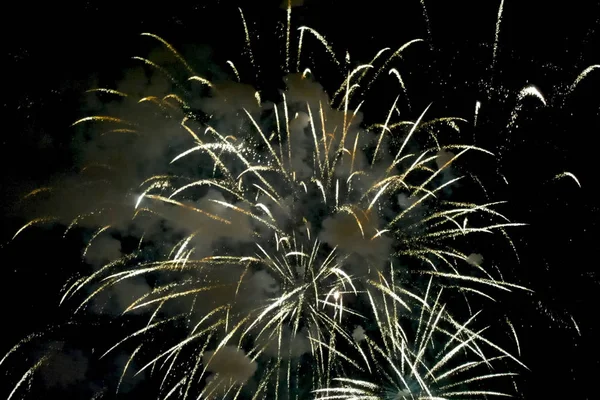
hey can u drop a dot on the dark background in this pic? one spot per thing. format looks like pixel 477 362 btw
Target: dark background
pixel 52 53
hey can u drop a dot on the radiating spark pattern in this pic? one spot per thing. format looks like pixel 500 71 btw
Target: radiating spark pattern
pixel 307 246
pixel 440 359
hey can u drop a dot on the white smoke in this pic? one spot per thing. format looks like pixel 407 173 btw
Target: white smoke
pixel 230 366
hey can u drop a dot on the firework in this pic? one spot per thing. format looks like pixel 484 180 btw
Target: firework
pixel 440 359
pixel 268 232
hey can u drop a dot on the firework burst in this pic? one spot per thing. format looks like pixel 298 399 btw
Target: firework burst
pixel 277 229
pixel 422 354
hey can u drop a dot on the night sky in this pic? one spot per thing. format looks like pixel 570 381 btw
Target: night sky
pixel 54 53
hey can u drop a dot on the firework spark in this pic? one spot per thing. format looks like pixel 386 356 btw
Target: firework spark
pixel 582 76
pixel 497 34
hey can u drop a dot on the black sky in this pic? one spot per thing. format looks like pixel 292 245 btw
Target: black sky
pixel 53 53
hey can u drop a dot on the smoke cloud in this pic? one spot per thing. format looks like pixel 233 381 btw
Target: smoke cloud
pixel 230 366
pixel 68 368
